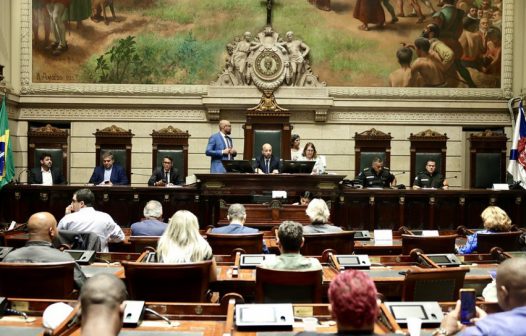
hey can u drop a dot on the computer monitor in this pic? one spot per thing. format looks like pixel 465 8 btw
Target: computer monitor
pixel 297 167
pixel 237 166
pixel 428 311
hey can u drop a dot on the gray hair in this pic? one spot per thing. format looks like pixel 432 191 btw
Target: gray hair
pixel 290 236
pixel 318 211
pixel 236 211
pixel 153 209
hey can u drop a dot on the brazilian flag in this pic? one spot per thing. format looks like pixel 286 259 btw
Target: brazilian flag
pixel 7 166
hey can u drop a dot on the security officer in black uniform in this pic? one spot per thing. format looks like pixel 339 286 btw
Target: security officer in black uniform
pixel 377 176
pixel 429 178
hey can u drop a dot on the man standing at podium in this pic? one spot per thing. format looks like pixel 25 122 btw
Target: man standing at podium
pixel 267 163
pixel 220 147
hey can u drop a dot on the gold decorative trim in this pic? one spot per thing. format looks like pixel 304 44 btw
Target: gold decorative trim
pixel 47 130
pixel 372 134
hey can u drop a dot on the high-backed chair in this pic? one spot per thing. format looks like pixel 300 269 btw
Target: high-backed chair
pixel 37 280
pixel 167 282
pixel 52 140
pixel 368 145
pixel 427 145
pixel 226 243
pixel 487 159
pixel 172 142
pixel 432 284
pixel 140 243
pixel 261 128
pixel 316 243
pixel 507 241
pixel 278 286
pixel 118 141
pixel 438 244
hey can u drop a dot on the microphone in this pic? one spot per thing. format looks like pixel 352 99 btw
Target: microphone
pixel 27 170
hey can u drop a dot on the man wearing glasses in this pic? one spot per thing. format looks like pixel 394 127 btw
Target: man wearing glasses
pixel 166 175
pixel 81 216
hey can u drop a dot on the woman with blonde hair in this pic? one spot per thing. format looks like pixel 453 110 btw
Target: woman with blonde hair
pixel 495 220
pixel 181 242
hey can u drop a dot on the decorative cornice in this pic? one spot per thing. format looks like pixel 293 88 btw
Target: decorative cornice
pixel 113 131
pixel 428 135
pixel 372 134
pixel 47 131
pixel 488 134
pixel 102 114
pixel 170 132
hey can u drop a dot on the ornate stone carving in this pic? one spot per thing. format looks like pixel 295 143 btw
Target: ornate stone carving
pixel 170 131
pixel 267 103
pixel 267 62
pixel 488 134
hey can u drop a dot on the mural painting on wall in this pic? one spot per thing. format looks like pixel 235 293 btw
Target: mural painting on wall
pixel 360 43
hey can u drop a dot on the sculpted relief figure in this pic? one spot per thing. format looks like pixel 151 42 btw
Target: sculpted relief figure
pixel 298 51
pixel 239 57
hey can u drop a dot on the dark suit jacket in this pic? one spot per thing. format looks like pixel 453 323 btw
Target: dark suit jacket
pixel 36 176
pixel 260 163
pixel 158 175
pixel 118 175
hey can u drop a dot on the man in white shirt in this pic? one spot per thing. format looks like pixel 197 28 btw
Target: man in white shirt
pixel 81 216
pixel 46 174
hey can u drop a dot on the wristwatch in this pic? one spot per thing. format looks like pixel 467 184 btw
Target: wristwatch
pixel 440 332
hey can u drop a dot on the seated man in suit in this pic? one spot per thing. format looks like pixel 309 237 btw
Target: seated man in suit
pixel 109 173
pixel 42 229
pixel 266 163
pixel 152 224
pixel 102 305
pixel 237 216
pixel 46 174
pixel 354 305
pixel 166 175
pixel 290 240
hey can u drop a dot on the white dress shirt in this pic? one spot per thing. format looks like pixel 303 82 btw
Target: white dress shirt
pixel 90 220
pixel 47 178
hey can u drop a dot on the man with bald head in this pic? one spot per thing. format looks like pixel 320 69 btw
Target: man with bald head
pixel 511 294
pixel 266 163
pixel 220 147
pixel 42 228
pixel 102 306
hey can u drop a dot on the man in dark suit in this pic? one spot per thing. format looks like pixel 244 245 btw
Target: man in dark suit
pixel 165 175
pixel 266 163
pixel 237 216
pixel 220 147
pixel 109 173
pixel 46 174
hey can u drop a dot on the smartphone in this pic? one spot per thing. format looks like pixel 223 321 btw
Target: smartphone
pixel 467 305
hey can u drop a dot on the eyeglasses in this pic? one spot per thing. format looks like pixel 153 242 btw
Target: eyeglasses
pixel 166 162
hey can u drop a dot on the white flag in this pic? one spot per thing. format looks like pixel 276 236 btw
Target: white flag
pixel 517 165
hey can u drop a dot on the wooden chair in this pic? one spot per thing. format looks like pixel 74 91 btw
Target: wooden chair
pixel 370 144
pixel 167 282
pixel 222 243
pixel 279 286
pixel 316 243
pixel 37 280
pixel 141 243
pixel 439 244
pixel 507 241
pixel 433 284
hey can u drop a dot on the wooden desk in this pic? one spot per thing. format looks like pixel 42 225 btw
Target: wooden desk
pixel 350 208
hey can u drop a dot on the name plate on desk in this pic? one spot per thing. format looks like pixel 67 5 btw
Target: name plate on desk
pixel 428 311
pixel 264 316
